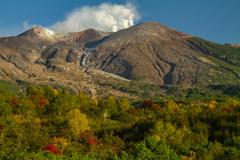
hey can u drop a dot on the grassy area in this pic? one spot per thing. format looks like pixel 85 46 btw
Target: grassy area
pixel 226 58
pixel 226 53
pixel 156 92
pixel 17 88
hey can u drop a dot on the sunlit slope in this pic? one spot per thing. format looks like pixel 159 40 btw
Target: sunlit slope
pixel 226 58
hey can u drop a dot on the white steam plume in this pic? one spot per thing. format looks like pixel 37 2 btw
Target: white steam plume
pixel 27 26
pixel 105 17
pixel 16 30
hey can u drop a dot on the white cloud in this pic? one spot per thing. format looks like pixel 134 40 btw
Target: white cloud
pixel 105 17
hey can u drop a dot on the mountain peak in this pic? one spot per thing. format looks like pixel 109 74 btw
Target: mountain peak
pixel 87 35
pixel 39 31
pixel 148 52
pixel 44 34
pixel 146 30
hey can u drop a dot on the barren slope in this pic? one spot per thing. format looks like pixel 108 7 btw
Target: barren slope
pixel 149 52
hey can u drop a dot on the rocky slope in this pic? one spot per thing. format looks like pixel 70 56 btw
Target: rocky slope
pixel 149 52
pixel 233 45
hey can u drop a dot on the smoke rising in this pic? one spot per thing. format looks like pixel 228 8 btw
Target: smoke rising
pixel 105 17
pixel 16 30
pixel 27 26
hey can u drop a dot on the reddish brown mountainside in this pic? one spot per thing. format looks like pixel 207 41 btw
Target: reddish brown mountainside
pixel 151 52
pixel 148 52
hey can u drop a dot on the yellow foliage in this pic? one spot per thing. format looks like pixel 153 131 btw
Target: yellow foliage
pixel 165 100
pixel 137 118
pixel 111 104
pixel 45 120
pixel 184 157
pixel 211 105
pixel 32 90
pixel 41 91
pixel 77 121
pixel 170 105
pixel 19 118
pixel 60 143
pixel 55 92
pixel 193 156
pixel 124 104
pixel 94 102
pixel 28 120
pixel 157 137
pixel 111 98
pixel 232 102
pixel 170 133
pixel 37 121
pixel 2 138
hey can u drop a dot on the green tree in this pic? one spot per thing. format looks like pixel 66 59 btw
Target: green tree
pixel 32 90
pixel 123 104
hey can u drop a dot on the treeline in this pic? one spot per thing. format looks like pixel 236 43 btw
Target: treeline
pixel 46 123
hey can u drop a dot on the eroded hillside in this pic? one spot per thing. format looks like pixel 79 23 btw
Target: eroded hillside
pixel 146 53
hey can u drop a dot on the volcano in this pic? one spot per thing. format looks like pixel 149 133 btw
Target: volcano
pixel 149 52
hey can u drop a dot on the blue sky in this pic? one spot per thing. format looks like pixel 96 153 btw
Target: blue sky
pixel 213 20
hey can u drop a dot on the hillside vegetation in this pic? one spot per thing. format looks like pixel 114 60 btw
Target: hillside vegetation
pixel 45 123
pixel 226 53
pixel 224 56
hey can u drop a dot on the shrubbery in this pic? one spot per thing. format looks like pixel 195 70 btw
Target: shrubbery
pixel 48 124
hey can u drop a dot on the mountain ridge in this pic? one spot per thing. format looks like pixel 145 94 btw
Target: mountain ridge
pixel 51 36
pixel 149 52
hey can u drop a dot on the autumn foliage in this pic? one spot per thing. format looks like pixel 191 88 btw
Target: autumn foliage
pixel 48 124
pixel 149 104
pixel 52 149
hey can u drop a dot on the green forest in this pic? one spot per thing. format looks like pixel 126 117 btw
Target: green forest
pixel 45 123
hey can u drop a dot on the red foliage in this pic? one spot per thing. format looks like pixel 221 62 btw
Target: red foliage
pixel 52 149
pixel 228 109
pixel 41 103
pixel 39 100
pixel 156 107
pixel 132 111
pixel 86 135
pixel 1 127
pixel 149 104
pixel 88 141
pixel 13 102
pixel 91 141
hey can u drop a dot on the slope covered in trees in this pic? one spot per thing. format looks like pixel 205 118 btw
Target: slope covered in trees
pixel 46 123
